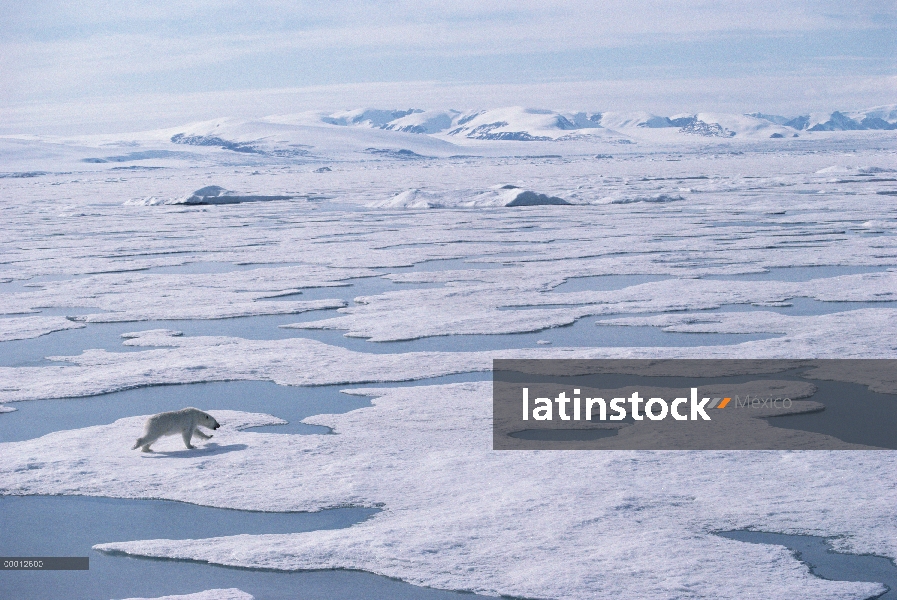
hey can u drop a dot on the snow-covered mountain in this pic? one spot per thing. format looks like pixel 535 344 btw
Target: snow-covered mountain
pixel 307 134
pixel 424 121
pixel 378 135
pixel 414 133
pixel 880 117
pixel 523 124
pixel 529 124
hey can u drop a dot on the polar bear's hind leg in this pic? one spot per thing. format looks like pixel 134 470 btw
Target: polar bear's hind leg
pixel 144 443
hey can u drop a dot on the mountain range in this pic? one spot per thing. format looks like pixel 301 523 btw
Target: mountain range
pixel 528 124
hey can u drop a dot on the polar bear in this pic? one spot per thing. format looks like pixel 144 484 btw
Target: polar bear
pixel 185 421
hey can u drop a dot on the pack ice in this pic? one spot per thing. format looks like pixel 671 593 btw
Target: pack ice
pixel 546 219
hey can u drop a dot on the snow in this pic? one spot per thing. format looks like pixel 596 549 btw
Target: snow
pixel 887 113
pixel 744 125
pixel 429 121
pixel 619 120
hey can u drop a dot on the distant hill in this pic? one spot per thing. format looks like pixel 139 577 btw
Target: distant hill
pixel 529 124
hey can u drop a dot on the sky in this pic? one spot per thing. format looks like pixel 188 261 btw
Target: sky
pixel 108 63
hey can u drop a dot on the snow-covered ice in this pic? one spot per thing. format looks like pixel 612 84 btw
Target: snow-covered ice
pixel 28 327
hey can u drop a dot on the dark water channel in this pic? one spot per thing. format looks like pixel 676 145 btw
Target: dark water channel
pixel 816 552
pixel 71 525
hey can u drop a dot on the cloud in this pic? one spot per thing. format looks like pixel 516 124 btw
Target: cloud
pixel 64 50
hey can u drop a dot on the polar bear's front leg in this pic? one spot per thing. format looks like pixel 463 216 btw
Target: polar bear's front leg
pixel 188 433
pixel 198 432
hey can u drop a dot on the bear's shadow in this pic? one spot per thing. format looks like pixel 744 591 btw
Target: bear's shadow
pixel 207 450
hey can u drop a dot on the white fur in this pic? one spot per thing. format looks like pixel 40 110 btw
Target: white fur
pixel 185 422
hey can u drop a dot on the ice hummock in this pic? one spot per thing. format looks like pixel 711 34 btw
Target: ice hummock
pixel 216 594
pixel 208 195
pixel 499 196
pixel 214 194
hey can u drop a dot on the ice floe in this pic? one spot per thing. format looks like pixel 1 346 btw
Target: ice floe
pixel 216 594
pixel 21 328
pixel 134 296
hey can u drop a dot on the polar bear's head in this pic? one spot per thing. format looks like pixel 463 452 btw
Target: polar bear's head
pixel 207 420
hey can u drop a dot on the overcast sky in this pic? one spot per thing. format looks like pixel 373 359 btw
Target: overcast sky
pixel 183 59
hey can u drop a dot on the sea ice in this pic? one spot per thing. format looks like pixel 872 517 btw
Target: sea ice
pixel 22 328
pixel 456 514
